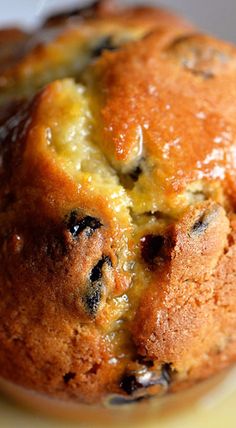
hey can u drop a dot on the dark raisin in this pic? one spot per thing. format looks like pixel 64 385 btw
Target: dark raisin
pixel 138 383
pixel 94 369
pixel 96 272
pixel 134 175
pixel 197 56
pixel 76 226
pixel 69 376
pixel 92 298
pixel 93 293
pixel 201 225
pixel 142 360
pixel 106 43
pixel 130 384
pixel 152 246
pixel 166 372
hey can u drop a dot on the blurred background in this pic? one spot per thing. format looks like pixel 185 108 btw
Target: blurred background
pixel 215 16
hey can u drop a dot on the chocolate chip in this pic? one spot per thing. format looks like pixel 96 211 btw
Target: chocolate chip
pixel 76 226
pixel 69 376
pixel 106 43
pixel 93 293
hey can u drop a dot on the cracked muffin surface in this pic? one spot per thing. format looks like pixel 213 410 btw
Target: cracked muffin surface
pixel 117 199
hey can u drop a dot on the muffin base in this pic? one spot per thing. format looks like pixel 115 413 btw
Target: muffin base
pixel 209 393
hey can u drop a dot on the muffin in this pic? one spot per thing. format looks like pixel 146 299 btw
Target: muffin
pixel 117 205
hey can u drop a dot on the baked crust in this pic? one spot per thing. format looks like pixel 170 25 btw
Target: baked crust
pixel 117 224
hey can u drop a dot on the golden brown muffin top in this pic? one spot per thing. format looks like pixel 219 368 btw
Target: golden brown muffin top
pixel 165 75
pixel 117 150
pixel 162 103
